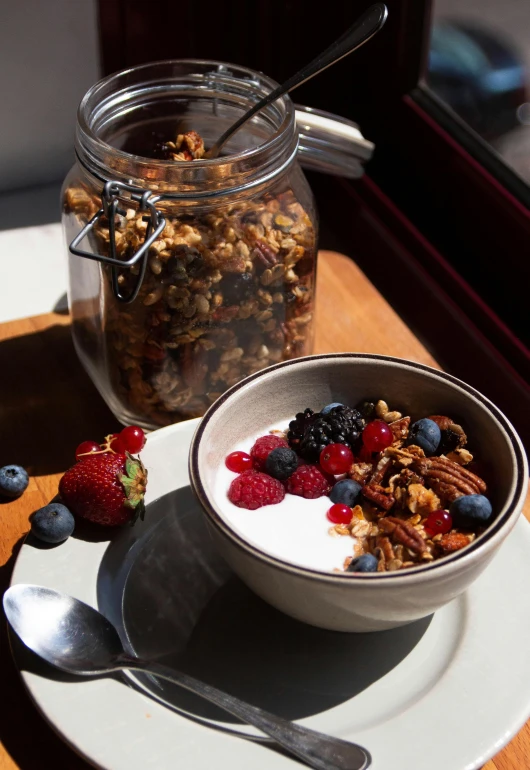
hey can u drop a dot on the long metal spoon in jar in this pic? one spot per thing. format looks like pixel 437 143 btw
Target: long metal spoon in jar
pixel 359 33
pixel 77 639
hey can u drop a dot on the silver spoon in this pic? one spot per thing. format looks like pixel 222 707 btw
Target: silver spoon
pixel 77 639
pixel 364 28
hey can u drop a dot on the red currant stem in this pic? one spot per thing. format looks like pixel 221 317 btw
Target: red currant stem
pixel 106 447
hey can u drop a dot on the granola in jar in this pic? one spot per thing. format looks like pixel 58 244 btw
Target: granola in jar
pixel 227 287
pixel 225 294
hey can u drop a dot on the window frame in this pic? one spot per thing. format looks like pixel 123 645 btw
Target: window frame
pixel 424 152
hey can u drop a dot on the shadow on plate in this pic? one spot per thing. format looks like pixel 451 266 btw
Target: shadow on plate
pixel 172 597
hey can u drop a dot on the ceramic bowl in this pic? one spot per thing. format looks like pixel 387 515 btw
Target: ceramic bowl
pixel 348 601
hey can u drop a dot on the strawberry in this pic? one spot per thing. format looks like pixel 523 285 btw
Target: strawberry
pixel 105 488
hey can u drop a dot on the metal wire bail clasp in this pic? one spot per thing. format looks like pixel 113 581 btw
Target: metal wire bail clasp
pixel 109 210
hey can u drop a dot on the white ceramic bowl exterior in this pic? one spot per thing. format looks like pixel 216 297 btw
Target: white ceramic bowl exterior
pixel 346 601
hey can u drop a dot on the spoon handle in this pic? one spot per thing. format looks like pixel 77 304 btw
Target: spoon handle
pixel 316 749
pixel 362 30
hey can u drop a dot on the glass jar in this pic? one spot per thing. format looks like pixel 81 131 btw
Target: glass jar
pixel 186 277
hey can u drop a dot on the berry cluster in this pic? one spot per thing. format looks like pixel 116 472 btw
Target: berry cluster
pixel 316 449
pixel 131 439
pixel 106 486
pixel 327 437
pixel 339 452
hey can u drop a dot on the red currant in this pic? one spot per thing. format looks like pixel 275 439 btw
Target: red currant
pixel 377 436
pixel 339 514
pixel 117 445
pixel 86 448
pixel 437 523
pixel 131 439
pixel 238 462
pixel 365 456
pixel 336 459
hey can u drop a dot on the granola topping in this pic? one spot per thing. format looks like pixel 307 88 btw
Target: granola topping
pixel 395 504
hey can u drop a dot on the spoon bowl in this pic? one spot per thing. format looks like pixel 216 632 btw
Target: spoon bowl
pixel 63 631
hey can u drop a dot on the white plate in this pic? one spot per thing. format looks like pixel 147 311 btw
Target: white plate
pixel 445 693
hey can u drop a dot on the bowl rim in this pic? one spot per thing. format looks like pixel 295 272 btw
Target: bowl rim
pixel 488 539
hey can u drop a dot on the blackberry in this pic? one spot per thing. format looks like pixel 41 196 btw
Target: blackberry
pixel 316 437
pixel 341 425
pixel 298 426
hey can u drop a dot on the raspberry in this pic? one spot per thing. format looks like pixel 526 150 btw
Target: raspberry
pixel 252 489
pixel 308 481
pixel 262 448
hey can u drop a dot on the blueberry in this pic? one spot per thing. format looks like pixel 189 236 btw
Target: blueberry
pixel 426 434
pixel 345 491
pixel 470 511
pixel 53 523
pixel 281 463
pixel 13 480
pixel 365 563
pixel 329 407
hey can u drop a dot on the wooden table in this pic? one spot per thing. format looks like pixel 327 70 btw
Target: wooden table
pixel 48 406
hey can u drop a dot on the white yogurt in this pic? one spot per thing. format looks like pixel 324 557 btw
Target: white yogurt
pixel 295 530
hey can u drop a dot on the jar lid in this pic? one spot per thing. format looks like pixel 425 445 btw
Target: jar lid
pixel 330 143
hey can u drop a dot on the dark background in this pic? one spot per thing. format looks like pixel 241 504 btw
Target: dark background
pixel 438 235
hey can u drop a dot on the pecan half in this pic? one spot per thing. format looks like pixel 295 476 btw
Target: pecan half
pixel 441 469
pixel 403 532
pixel 378 495
pixel 380 470
pixel 453 541
pixel 447 493
pixel 265 254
